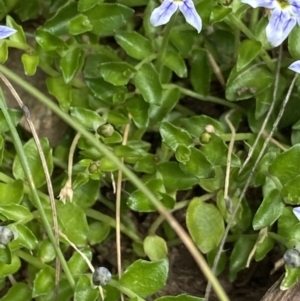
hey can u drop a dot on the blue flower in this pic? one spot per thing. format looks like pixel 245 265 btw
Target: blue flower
pixel 284 16
pixel 5 31
pixel 295 67
pixel 163 13
pixel 296 211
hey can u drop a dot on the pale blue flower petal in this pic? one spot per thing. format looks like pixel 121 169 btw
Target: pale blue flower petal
pixel 5 31
pixel 279 27
pixel 187 8
pixel 295 67
pixel 296 211
pixel 295 8
pixel 162 14
pixel 270 4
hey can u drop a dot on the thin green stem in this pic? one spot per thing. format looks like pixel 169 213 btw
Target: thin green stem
pixel 129 174
pixel 163 49
pixel 205 97
pixel 254 19
pixel 237 23
pixel 26 168
pixel 238 137
pixel 278 238
pixel 112 222
pixel 32 260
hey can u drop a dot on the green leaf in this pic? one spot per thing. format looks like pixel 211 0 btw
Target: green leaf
pixel 285 167
pixel 15 212
pixel 175 62
pixel 286 222
pixel 79 24
pixel 88 118
pixel 249 50
pixel 248 82
pixel 19 36
pixel 293 43
pixel 216 152
pixel 106 18
pixel 181 297
pixel 84 291
pixel 84 5
pixel 154 280
pixel 219 13
pixel 117 118
pixel 13 267
pixel 34 162
pixel 66 292
pixel 61 91
pixel 155 247
pixel 3 51
pixel 11 193
pixel 264 247
pixel 197 165
pixel 116 73
pixel 269 211
pixel 183 154
pixel 239 256
pixel 15 116
pixel 43 282
pixel 48 41
pixel 139 111
pixel 46 252
pixel 70 63
pixel 147 81
pixel 27 10
pixel 169 100
pixel 30 63
pixel 138 201
pixel 200 73
pixel 18 292
pixel 72 222
pixel 174 136
pixel 77 264
pixel 107 92
pixel 195 125
pixel 5 254
pixel 291 191
pixel 182 40
pixel 57 25
pixel 86 195
pixel 174 178
pixel 98 232
pixel 134 44
pixel 24 238
pixel 290 279
pixel 205 224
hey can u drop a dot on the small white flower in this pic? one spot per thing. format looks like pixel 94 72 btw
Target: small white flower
pixel 5 31
pixel 284 16
pixel 295 67
pixel 296 211
pixel 162 14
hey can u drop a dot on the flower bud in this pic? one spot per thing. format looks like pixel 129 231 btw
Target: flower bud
pixel 205 138
pixel 101 276
pixel 292 258
pixel 106 130
pixel 6 235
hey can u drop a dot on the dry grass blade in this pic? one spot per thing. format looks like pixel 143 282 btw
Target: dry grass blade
pixel 118 207
pixel 46 172
pixel 226 188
